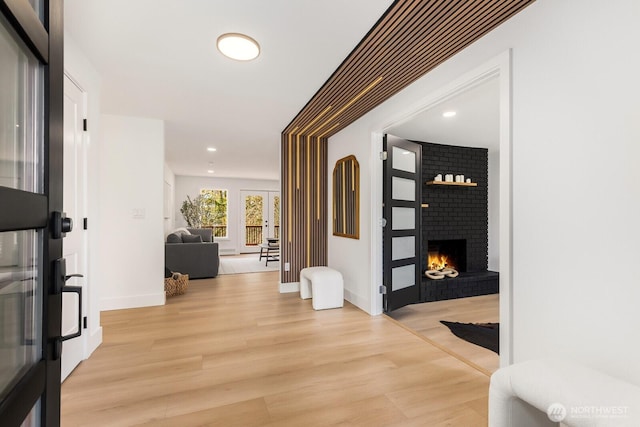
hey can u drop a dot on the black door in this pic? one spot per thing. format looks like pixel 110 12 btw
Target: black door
pixel 31 73
pixel 402 193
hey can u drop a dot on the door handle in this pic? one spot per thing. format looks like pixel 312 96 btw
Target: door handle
pixel 75 290
pixel 60 278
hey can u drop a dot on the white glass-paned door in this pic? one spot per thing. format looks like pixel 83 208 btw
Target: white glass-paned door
pixel 260 214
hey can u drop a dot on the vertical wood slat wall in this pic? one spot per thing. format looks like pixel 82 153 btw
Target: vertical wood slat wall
pixel 409 40
pixel 303 241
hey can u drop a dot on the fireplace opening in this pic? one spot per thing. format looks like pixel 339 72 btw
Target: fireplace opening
pixel 447 254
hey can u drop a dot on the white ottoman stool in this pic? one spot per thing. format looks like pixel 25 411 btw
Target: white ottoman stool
pixel 324 285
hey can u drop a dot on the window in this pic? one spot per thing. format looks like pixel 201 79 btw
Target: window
pixel 215 211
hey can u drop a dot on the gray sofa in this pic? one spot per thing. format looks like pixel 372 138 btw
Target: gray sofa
pixel 192 251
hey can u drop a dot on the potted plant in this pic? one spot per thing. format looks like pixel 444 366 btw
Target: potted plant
pixel 193 211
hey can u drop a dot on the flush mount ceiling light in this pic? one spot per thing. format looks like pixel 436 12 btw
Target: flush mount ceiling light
pixel 238 46
pixel 210 171
pixel 211 149
pixel 449 114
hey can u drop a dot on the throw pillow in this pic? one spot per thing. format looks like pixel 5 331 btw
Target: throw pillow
pixel 191 238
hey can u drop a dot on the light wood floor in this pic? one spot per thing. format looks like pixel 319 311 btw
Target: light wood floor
pixel 425 320
pixel 235 352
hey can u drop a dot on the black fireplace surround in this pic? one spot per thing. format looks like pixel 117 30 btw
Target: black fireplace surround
pixel 456 222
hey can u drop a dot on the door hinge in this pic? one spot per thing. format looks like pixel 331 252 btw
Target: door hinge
pixel 84 125
pixel 382 289
pixel 85 223
pixel 383 155
pixel 84 322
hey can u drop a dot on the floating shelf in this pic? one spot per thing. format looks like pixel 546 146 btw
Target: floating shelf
pixel 458 184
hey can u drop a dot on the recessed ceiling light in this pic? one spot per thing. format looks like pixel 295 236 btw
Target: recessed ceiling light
pixel 210 171
pixel 449 114
pixel 211 149
pixel 238 46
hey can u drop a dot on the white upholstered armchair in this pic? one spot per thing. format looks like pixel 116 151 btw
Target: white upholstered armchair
pixel 533 393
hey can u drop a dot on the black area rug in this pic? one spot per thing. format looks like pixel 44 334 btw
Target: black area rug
pixel 486 335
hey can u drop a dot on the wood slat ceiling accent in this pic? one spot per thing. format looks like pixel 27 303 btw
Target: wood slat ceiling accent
pixel 409 40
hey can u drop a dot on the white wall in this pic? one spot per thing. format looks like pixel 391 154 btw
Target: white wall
pixel 84 74
pixel 169 193
pixel 191 186
pixel 352 257
pixel 131 196
pixel 576 199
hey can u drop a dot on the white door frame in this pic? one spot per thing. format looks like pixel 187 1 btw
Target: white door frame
pixel 500 67
pixel 74 350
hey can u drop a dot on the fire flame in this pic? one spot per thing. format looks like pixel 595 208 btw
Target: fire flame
pixel 438 261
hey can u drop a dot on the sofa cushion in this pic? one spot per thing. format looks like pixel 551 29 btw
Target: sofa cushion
pixel 205 233
pixel 174 238
pixel 191 238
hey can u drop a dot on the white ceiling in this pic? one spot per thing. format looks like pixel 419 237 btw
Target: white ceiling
pixel 476 123
pixel 157 58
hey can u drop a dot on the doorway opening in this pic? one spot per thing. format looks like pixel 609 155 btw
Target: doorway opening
pixel 497 73
pixel 260 219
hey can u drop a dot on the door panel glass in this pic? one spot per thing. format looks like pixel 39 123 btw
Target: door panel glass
pixel 20 313
pixel 403 277
pixel 33 419
pixel 403 247
pixel 404 160
pixel 403 189
pixel 21 114
pixel 403 218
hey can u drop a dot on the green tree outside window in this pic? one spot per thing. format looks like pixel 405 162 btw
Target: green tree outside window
pixel 215 211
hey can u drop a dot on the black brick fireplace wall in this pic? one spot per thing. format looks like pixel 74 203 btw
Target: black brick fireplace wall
pixel 456 212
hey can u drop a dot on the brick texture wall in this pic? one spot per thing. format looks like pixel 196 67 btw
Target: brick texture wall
pixel 456 212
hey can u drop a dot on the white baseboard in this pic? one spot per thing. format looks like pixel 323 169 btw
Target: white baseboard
pixel 133 301
pixel 93 341
pixel 357 301
pixel 228 251
pixel 289 287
